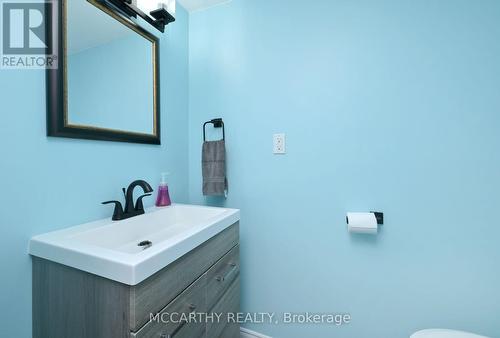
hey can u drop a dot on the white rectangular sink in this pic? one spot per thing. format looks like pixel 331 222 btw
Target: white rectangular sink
pixel 110 249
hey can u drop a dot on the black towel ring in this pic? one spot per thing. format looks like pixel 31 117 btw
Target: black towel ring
pixel 218 123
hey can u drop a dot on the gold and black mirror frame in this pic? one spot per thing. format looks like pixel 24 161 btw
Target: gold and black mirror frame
pixel 56 81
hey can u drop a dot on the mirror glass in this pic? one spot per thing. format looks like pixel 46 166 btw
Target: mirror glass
pixel 110 71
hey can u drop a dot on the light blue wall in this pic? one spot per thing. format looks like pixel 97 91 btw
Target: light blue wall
pixel 126 103
pixel 51 183
pixel 392 105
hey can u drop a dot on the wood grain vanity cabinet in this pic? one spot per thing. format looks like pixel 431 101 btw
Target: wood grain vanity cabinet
pixel 71 303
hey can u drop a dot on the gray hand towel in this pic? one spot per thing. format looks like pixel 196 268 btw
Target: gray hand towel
pixel 213 160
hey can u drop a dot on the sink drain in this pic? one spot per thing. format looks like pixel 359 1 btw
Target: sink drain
pixel 145 244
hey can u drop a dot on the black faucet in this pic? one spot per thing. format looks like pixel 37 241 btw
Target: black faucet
pixel 131 210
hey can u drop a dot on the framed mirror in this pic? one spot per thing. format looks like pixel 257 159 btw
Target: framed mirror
pixel 106 85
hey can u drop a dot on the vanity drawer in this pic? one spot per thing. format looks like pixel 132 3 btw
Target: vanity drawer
pixel 154 293
pixel 229 303
pixel 221 275
pixel 197 331
pixel 193 299
pixel 231 331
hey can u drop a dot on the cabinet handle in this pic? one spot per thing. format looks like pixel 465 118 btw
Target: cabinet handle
pixel 229 274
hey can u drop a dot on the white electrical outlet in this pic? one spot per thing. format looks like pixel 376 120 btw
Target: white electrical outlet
pixel 279 142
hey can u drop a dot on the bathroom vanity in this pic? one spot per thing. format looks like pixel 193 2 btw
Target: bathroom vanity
pixel 95 280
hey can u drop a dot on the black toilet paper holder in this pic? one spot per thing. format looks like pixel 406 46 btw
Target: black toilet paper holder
pixel 379 216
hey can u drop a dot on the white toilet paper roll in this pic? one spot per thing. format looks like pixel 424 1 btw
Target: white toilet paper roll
pixel 362 223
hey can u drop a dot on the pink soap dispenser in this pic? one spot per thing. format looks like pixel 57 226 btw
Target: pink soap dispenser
pixel 163 199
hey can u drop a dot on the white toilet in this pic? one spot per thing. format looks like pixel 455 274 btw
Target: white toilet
pixel 440 333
